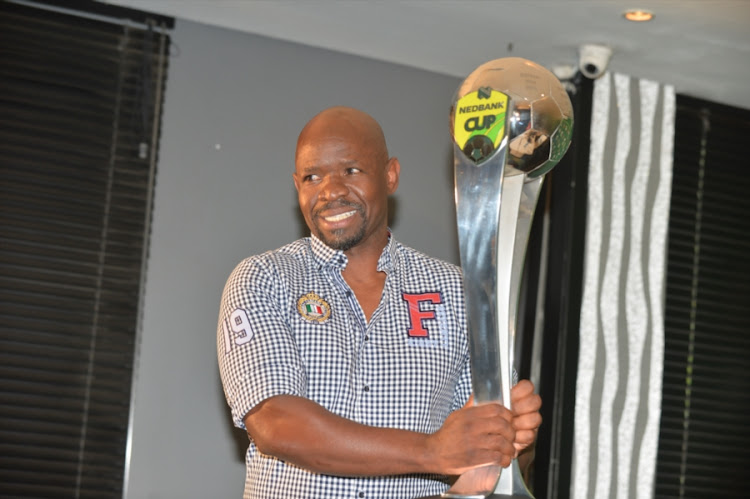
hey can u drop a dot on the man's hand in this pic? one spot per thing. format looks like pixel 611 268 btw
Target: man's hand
pixel 473 436
pixel 526 420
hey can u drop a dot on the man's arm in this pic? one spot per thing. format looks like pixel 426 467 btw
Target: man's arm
pixel 302 432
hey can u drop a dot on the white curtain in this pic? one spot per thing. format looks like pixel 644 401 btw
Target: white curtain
pixel 618 392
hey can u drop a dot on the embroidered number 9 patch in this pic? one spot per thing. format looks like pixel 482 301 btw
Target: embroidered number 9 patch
pixel 236 330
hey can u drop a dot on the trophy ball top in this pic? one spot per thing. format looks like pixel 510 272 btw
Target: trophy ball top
pixel 514 103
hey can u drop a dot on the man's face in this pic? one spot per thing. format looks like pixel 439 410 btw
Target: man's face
pixel 343 184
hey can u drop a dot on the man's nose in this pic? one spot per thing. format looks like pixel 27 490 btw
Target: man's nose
pixel 334 187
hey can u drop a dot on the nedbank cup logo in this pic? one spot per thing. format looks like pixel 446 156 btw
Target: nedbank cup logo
pixel 480 122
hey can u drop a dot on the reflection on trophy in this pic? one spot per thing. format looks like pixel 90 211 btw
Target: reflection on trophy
pixel 511 123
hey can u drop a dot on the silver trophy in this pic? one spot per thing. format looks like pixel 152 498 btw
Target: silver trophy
pixel 511 124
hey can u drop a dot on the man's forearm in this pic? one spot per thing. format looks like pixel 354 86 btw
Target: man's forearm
pixel 302 432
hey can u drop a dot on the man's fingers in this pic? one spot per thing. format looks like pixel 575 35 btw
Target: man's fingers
pixel 527 404
pixel 524 438
pixel 521 389
pixel 530 421
pixel 488 410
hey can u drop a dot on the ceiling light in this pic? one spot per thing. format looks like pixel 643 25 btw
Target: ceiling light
pixel 638 15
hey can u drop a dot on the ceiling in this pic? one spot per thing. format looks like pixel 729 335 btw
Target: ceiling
pixel 702 47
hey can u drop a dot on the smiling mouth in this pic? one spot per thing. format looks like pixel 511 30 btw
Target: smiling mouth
pixel 340 216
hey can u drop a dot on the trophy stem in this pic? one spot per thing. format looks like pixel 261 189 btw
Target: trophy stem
pixel 520 195
pixel 492 238
pixel 478 194
pixel 478 191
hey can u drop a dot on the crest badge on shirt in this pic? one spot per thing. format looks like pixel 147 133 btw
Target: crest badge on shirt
pixel 313 308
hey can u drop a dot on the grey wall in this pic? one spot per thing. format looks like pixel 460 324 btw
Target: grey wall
pixel 234 106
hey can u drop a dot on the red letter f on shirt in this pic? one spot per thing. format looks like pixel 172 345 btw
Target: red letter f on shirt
pixel 417 315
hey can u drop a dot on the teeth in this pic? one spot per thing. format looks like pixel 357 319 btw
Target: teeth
pixel 342 216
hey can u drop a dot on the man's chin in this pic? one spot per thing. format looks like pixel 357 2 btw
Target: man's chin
pixel 340 241
pixel 342 244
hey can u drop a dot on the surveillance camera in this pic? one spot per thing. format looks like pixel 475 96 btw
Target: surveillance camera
pixel 593 60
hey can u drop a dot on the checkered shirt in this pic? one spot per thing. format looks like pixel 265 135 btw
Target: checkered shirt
pixel 289 324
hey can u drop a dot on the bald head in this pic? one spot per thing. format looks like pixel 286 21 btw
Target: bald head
pixel 343 177
pixel 345 124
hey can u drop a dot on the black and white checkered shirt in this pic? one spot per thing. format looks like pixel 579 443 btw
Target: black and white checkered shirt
pixel 289 324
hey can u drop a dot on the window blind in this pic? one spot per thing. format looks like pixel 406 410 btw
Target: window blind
pixel 79 114
pixel 705 433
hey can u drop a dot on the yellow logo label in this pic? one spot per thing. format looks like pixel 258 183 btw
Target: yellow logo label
pixel 480 115
pixel 313 308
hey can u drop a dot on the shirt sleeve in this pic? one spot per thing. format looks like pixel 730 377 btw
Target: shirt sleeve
pixel 463 387
pixel 258 357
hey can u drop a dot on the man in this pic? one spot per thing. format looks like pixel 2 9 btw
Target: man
pixel 344 355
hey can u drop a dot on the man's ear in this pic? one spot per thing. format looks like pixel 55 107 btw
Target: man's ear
pixel 296 181
pixel 392 172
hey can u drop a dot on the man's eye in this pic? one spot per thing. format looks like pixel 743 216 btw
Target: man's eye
pixel 311 178
pixel 353 170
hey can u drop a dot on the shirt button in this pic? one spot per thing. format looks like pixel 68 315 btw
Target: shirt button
pixel 361 494
pixel 367 338
pixel 367 388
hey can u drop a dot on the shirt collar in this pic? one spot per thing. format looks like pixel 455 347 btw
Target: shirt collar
pixel 326 256
pixel 385 262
